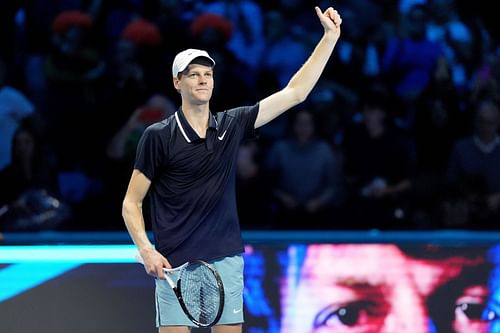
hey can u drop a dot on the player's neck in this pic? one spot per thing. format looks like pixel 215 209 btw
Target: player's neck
pixel 197 117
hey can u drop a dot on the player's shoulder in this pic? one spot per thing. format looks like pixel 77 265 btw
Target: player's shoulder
pixel 237 111
pixel 162 129
pixel 163 125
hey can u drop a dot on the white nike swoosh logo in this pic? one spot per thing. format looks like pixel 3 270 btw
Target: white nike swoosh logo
pixel 236 311
pixel 222 136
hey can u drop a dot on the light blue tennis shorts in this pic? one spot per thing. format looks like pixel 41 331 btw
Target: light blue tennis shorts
pixel 169 312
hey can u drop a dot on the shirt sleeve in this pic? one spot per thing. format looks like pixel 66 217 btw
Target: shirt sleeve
pixel 246 116
pixel 152 151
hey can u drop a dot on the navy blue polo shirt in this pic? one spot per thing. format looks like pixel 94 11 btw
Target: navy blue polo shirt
pixel 192 194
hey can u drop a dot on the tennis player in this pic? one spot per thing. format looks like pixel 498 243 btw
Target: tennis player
pixel 187 165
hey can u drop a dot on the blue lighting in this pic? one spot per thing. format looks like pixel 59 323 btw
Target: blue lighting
pixel 34 265
pixel 68 253
pixel 15 279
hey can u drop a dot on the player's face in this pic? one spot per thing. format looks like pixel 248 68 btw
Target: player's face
pixel 196 84
pixel 371 289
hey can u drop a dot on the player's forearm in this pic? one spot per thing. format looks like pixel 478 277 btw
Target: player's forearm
pixel 301 83
pixel 134 221
pixel 308 75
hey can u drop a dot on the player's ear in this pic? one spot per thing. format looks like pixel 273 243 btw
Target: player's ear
pixel 176 82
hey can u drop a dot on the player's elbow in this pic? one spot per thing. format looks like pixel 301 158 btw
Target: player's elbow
pixel 300 98
pixel 297 95
pixel 129 206
pixel 125 209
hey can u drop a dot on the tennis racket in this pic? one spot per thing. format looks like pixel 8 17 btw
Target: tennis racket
pixel 199 290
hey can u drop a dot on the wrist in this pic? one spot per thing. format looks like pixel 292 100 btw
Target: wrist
pixel 146 249
pixel 330 36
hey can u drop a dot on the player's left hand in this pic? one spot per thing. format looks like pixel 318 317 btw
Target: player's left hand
pixel 330 20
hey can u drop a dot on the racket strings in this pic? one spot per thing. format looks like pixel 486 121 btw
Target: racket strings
pixel 200 292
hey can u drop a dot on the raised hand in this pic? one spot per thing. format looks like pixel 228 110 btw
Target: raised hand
pixel 330 20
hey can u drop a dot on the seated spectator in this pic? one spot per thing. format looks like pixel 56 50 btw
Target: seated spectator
pixel 146 44
pixel 379 166
pixel 439 122
pixel 29 187
pixel 73 58
pixel 473 173
pixel 252 187
pixel 307 177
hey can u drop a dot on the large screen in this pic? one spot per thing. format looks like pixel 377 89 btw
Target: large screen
pixel 289 288
pixel 371 288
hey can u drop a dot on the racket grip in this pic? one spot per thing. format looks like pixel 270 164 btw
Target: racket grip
pixel 170 281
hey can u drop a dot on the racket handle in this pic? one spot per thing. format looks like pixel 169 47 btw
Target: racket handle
pixel 170 281
pixel 167 271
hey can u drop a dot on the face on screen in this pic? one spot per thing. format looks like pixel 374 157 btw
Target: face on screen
pixel 379 288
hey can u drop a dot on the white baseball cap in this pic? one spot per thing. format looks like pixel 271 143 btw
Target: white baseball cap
pixel 184 58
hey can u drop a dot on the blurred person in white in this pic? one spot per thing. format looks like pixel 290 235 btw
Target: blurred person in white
pixel 14 108
pixel 382 288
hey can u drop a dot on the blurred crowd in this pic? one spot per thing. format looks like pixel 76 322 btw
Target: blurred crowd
pixel 401 132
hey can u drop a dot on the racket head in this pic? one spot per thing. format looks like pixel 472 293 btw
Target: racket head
pixel 201 293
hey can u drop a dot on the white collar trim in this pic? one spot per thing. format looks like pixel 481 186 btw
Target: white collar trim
pixel 181 128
